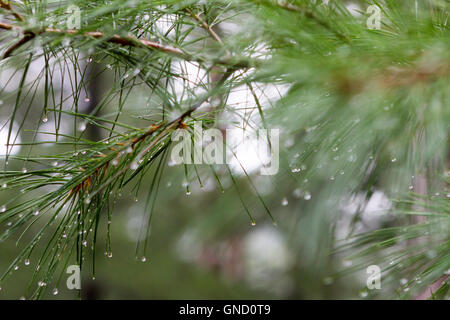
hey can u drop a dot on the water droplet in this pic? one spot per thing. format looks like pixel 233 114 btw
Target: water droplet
pixel 363 294
pixel 27 262
pixel 284 202
pixel 134 165
pixel 307 196
pixel 253 223
pixel 84 243
pixel 24 170
pixel 110 255
pixel 297 193
pixel 143 259
pixel 3 209
pixel 87 99
pixel 55 291
pixel 82 127
pixel 403 281
pixel 4 185
pixel 115 162
pixel 41 284
pixel 36 212
pixel 16 268
pixel 45 119
pixel 87 200
pixel 328 281
pixel 129 149
pixel 393 159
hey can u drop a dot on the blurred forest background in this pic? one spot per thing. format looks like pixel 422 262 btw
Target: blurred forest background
pixel 363 117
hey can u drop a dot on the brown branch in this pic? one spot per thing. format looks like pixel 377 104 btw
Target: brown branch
pixel 26 37
pixel 125 41
pixel 7 6
pixel 205 26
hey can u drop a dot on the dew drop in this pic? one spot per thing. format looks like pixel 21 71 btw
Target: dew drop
pixel 45 119
pixel 363 294
pixel 82 127
pixel 297 193
pixel 328 281
pixel 347 263
pixel 55 291
pixel 36 212
pixel 143 259
pixel 134 165
pixel 27 262
pixel 307 196
pixel 393 159
pixel 284 202
pixel 3 209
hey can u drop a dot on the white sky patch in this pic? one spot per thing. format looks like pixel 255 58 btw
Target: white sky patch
pixel 354 9
pixel 267 260
pixel 4 130
pixel 250 152
pixel 192 78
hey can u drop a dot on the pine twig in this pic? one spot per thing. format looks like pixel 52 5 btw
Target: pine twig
pixel 7 6
pixel 205 26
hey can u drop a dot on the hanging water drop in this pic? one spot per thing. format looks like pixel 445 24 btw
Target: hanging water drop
pixel 328 281
pixel 134 165
pixel 284 202
pixel 307 196
pixel 55 291
pixel 82 127
pixel 27 262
